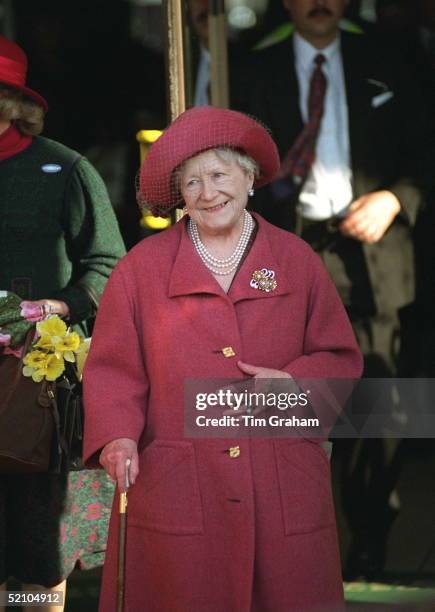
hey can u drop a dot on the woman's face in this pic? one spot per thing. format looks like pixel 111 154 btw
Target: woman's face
pixel 215 191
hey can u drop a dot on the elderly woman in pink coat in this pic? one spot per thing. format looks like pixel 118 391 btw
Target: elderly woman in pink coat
pixel 213 526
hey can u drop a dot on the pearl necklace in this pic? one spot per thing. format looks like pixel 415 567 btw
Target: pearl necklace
pixel 226 266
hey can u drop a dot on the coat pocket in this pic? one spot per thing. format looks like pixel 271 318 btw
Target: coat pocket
pixel 166 495
pixel 305 487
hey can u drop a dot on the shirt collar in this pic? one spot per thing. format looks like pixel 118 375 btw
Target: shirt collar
pixel 205 55
pixel 305 52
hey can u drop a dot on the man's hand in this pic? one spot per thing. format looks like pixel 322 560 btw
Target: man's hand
pixel 113 458
pixel 370 216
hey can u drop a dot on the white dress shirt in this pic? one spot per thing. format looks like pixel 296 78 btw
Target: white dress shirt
pixel 202 79
pixel 327 190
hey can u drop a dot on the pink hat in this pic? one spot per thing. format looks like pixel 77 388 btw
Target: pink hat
pixel 194 131
pixel 13 70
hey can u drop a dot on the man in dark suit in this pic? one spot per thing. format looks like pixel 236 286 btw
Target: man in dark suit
pixel 199 89
pixel 355 200
pixel 198 21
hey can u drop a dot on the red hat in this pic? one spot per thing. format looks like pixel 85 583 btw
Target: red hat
pixel 194 131
pixel 13 70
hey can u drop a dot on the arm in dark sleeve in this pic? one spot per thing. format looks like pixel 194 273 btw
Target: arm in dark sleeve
pixel 416 144
pixel 94 242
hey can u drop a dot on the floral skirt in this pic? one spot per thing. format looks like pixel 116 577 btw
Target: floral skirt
pixel 51 523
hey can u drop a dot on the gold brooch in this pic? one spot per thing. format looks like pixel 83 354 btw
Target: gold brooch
pixel 264 280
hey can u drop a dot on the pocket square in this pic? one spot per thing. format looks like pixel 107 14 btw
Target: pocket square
pixel 382 98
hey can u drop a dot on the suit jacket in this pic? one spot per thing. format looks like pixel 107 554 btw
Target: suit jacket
pixel 389 143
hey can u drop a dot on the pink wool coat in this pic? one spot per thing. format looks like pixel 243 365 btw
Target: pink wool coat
pixel 208 531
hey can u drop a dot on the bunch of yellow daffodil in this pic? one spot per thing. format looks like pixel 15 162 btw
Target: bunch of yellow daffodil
pixel 56 344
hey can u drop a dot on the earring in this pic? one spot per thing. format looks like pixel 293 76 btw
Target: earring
pixel 251 192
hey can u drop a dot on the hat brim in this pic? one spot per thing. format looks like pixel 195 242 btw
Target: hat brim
pixel 197 130
pixel 30 93
pixel 36 97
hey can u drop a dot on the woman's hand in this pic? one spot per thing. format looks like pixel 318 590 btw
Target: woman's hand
pixel 37 310
pixel 259 372
pixel 113 458
pixel 258 386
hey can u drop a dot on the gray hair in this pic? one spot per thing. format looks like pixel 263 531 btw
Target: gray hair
pixel 227 155
pixel 246 163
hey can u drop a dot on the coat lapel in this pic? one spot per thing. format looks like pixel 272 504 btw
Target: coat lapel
pixel 260 256
pixel 189 275
pixel 284 113
pixel 358 95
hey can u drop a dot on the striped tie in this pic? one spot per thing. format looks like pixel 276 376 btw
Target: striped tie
pixel 300 158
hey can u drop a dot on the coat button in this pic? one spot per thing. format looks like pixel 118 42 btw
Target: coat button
pixel 228 351
pixel 234 452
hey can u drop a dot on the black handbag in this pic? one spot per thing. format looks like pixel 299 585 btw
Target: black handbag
pixel 70 410
pixel 28 418
pixel 41 424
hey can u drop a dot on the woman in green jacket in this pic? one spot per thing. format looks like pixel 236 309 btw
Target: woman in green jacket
pixel 59 241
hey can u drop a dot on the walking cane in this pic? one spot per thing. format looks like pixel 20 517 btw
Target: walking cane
pixel 122 540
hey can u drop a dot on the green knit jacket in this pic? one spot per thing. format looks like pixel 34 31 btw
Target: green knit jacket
pixel 59 237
